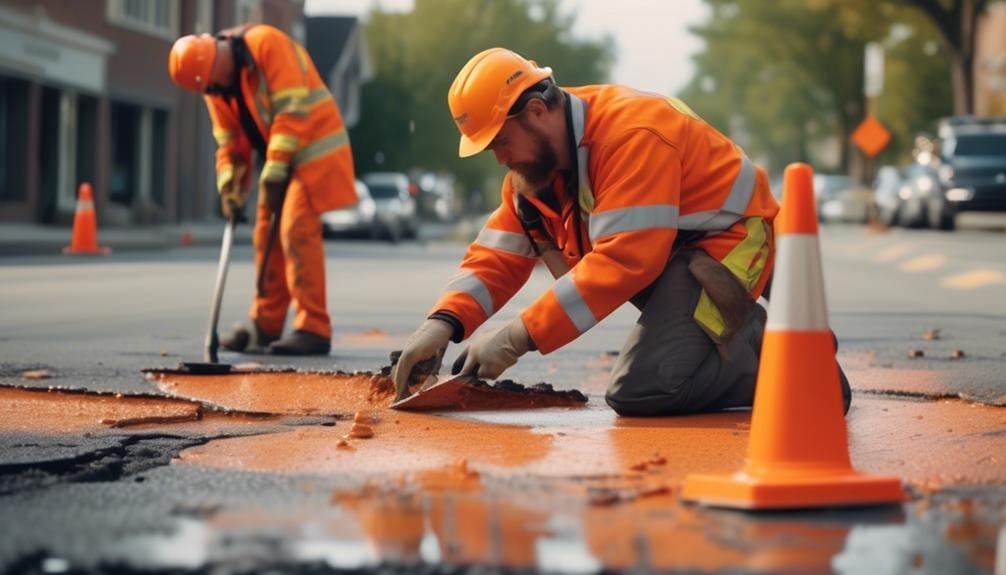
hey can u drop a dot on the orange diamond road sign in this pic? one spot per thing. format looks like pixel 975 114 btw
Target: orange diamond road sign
pixel 871 136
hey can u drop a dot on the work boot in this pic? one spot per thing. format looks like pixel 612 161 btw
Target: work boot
pixel 301 343
pixel 846 389
pixel 247 340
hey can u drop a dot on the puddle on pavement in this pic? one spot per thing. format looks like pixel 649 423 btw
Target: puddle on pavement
pixel 521 489
pixel 454 516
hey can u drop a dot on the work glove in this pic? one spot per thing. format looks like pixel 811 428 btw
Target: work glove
pixel 489 356
pixel 232 196
pixel 430 340
pixel 274 194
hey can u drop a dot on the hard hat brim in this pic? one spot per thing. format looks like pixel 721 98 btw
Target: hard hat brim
pixel 468 147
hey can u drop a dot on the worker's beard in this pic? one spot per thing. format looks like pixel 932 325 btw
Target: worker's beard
pixel 537 173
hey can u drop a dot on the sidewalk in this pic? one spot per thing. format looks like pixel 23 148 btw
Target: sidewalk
pixel 21 239
pixel 26 239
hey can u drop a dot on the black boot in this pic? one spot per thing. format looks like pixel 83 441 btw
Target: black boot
pixel 247 340
pixel 846 390
pixel 301 343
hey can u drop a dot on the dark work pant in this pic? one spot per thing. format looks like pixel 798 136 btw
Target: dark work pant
pixel 670 366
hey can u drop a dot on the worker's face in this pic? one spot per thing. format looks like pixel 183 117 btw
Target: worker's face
pixel 221 72
pixel 523 146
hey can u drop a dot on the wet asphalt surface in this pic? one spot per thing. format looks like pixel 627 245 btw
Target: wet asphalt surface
pixel 114 502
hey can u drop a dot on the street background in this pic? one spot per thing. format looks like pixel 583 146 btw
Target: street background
pixel 105 467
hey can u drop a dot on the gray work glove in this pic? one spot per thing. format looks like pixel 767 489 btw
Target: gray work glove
pixel 490 355
pixel 430 340
pixel 232 193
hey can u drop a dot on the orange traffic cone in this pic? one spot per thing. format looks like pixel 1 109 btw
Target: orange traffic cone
pixel 85 227
pixel 798 454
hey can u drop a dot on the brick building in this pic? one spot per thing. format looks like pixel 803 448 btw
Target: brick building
pixel 85 96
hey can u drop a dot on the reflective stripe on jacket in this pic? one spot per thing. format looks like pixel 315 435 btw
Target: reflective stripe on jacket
pixel 648 167
pixel 297 116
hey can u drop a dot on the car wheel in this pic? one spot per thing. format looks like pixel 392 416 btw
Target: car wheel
pixel 911 216
pixel 941 216
pixel 888 216
pixel 412 230
pixel 393 233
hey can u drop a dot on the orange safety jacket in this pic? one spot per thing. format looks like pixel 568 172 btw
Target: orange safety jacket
pixel 647 168
pixel 296 115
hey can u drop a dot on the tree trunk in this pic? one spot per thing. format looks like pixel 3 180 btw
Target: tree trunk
pixel 957 24
pixel 963 74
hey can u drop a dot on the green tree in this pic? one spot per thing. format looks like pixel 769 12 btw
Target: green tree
pixel 786 77
pixel 406 122
pixel 956 21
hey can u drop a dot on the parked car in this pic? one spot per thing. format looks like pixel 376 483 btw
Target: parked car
pixel 913 194
pixel 437 196
pixel 395 206
pixel 893 187
pixel 841 198
pixel 357 219
pixel 970 170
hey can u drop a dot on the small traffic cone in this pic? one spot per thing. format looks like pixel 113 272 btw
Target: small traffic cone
pixel 85 227
pixel 798 454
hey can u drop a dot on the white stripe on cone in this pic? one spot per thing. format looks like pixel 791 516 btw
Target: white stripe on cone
pixel 797 300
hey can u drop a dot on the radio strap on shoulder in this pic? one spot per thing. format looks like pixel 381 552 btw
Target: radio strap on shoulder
pixel 248 125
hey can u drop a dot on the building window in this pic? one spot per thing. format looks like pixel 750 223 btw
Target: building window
pixel 125 153
pixel 155 17
pixel 13 127
pixel 158 157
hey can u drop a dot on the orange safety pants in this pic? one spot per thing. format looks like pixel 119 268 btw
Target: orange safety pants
pixel 295 269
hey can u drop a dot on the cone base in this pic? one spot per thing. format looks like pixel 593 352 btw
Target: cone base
pixel 100 251
pixel 841 489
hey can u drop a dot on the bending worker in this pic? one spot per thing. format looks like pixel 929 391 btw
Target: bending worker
pixel 624 196
pixel 264 94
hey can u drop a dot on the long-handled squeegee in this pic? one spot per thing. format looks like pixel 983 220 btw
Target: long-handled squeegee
pixel 211 364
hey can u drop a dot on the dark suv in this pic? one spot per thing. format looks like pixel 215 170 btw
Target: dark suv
pixel 970 168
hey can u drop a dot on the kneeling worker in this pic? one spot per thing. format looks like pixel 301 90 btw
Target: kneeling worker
pixel 625 196
pixel 264 93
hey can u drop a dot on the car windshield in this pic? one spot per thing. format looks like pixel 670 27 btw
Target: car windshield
pixel 829 184
pixel 383 191
pixel 975 145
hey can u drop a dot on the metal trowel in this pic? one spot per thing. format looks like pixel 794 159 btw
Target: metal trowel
pixel 442 392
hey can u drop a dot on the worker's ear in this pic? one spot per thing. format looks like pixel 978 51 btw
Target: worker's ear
pixel 536 108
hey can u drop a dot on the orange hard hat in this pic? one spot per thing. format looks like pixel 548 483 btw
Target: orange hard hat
pixel 484 91
pixel 191 61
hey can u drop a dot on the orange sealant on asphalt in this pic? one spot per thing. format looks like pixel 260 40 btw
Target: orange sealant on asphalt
pixel 282 392
pixel 65 412
pixel 926 443
pixel 45 411
pixel 337 393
